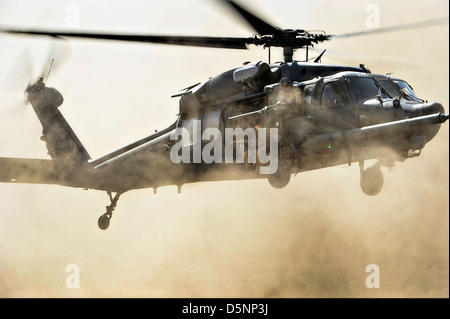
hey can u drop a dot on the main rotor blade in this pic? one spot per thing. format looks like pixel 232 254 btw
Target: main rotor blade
pixel 421 24
pixel 212 42
pixel 352 56
pixel 260 26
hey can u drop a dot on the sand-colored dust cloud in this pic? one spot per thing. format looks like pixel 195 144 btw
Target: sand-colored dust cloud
pixel 313 238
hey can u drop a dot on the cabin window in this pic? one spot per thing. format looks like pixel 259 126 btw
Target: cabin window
pixel 212 120
pixel 307 96
pixel 333 95
pixel 192 126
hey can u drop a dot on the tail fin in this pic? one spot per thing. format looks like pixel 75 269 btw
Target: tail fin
pixel 61 141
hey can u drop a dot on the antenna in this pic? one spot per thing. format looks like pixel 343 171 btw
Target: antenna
pixel 319 57
pixel 48 74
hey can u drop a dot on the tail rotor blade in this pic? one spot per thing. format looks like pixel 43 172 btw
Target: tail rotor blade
pixel 58 52
pixel 13 87
pixel 28 66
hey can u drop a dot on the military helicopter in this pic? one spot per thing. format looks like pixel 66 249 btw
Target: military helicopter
pixel 320 115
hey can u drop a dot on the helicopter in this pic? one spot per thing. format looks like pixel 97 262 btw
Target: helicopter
pixel 301 115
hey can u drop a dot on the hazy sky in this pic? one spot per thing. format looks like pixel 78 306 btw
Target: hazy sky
pixel 238 239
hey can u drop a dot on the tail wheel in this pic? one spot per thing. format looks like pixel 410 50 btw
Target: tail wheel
pixel 105 219
pixel 372 181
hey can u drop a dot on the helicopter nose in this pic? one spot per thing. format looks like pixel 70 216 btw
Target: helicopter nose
pixel 432 108
pixel 430 131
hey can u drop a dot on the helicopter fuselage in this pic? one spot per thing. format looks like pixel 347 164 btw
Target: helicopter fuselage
pixel 253 122
pixel 323 119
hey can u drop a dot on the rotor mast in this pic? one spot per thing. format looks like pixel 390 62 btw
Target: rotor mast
pixel 288 53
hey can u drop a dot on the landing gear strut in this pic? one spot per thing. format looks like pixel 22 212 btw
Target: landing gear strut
pixel 372 179
pixel 104 220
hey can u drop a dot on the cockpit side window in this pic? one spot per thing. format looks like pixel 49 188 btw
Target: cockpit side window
pixel 308 93
pixel 333 95
pixel 408 90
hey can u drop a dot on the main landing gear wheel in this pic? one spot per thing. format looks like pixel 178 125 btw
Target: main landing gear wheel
pixel 105 219
pixel 372 180
pixel 281 177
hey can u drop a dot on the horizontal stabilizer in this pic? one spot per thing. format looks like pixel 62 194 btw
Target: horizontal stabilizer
pixel 23 170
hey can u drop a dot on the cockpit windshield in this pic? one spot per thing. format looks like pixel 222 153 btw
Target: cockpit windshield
pixel 390 88
pixel 364 89
pixel 408 90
